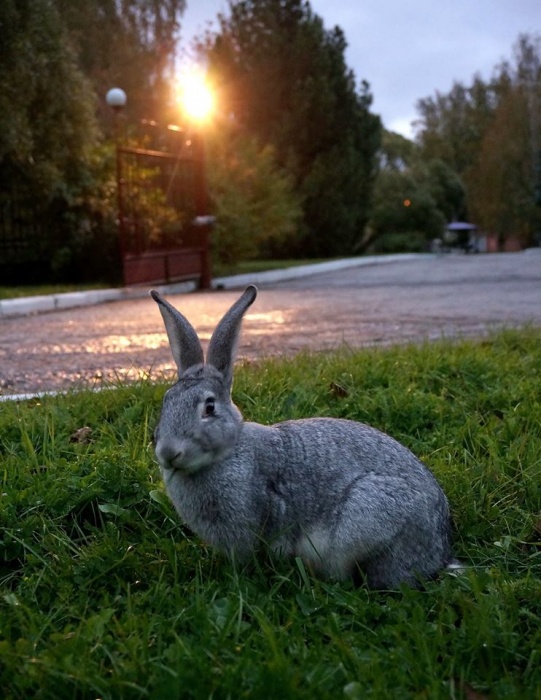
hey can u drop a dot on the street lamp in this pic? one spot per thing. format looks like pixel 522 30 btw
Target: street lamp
pixel 116 98
pixel 137 252
pixel 196 97
pixel 197 102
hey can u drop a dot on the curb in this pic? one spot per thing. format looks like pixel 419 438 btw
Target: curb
pixel 69 300
pixel 272 276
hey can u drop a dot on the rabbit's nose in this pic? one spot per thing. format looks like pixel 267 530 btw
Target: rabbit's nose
pixel 170 454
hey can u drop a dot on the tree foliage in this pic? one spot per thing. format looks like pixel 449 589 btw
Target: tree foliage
pixel 500 181
pixel 47 126
pixel 405 215
pixel 444 186
pixel 48 136
pixel 254 199
pixel 490 134
pixel 126 43
pixel 413 197
pixel 283 77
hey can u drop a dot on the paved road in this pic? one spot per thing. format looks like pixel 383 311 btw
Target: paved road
pixel 394 302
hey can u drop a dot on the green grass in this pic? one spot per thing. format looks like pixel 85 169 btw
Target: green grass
pixel 41 289
pixel 244 267
pixel 104 594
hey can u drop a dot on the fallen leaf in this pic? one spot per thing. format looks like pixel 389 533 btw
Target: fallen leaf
pixel 338 390
pixel 82 435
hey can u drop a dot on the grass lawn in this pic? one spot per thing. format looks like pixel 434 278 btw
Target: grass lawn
pixel 244 267
pixel 103 593
pixel 41 289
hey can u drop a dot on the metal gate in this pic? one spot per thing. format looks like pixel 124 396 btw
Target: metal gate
pixel 163 213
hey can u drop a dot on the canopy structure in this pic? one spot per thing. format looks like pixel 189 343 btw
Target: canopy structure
pixel 461 234
pixel 461 226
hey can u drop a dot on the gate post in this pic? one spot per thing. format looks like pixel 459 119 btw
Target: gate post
pixel 202 206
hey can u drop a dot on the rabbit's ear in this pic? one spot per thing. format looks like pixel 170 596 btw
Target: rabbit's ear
pixel 223 344
pixel 185 345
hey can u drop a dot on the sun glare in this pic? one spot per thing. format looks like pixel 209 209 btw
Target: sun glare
pixel 196 96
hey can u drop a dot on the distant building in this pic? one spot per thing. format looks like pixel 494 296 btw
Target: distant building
pixel 510 244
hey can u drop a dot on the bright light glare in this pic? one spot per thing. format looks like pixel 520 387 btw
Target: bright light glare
pixel 196 96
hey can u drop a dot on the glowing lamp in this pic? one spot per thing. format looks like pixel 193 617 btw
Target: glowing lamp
pixel 196 96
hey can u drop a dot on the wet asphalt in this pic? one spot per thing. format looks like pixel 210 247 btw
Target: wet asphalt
pixel 407 300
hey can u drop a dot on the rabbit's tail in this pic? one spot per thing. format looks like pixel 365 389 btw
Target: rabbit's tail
pixel 455 567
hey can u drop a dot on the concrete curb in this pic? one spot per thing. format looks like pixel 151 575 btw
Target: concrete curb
pixel 271 276
pixel 70 300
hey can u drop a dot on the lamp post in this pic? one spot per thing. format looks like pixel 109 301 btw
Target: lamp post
pixel 116 99
pixel 197 101
pixel 203 221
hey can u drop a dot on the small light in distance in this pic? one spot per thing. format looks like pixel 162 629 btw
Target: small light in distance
pixel 407 202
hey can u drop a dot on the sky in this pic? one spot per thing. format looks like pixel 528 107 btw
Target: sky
pixel 407 51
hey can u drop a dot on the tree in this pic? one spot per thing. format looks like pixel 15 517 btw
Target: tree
pixel 283 77
pixel 47 125
pixel 490 134
pixel 413 197
pixel 396 152
pixel 405 216
pixel 451 126
pixel 47 136
pixel 127 43
pixel 509 160
pixel 501 186
pixel 254 201
pixel 444 186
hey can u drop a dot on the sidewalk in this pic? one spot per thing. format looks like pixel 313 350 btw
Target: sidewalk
pixel 53 302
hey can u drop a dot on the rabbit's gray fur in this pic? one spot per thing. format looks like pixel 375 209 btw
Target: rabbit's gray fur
pixel 339 494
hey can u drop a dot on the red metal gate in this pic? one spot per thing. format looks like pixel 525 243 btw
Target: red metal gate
pixel 163 213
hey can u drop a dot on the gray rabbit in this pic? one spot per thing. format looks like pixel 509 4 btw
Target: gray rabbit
pixel 341 495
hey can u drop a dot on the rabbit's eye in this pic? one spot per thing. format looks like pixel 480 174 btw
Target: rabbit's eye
pixel 209 408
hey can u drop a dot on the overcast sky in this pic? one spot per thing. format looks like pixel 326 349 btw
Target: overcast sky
pixel 410 50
